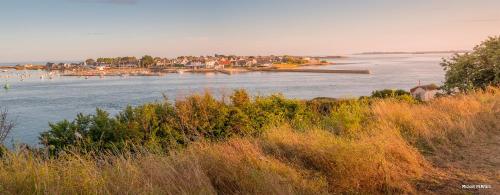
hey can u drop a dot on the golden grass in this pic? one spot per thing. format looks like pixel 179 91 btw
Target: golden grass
pixel 384 157
pixel 444 123
pixel 383 163
pixel 286 65
pixel 77 174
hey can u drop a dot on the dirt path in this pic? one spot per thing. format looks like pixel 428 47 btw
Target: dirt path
pixel 478 163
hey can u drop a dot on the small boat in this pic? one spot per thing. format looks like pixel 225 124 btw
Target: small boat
pixel 6 86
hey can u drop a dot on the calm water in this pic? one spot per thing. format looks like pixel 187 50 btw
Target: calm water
pixel 35 102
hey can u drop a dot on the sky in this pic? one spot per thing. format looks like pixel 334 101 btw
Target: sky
pixel 49 30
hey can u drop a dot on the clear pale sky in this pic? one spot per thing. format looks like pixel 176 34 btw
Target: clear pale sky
pixel 37 30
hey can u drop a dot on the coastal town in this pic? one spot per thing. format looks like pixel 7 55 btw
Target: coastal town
pixel 192 62
pixel 157 66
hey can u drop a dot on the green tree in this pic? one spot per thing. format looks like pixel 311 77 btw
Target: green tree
pixel 90 61
pixel 105 60
pixel 478 69
pixel 147 61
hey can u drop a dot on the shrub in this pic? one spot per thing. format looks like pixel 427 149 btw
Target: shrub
pixel 398 94
pixel 166 126
pixel 348 117
pixel 475 70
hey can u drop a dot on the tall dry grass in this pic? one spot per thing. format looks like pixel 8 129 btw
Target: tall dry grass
pixel 79 174
pixel 382 163
pixel 384 157
pixel 445 123
pixel 282 162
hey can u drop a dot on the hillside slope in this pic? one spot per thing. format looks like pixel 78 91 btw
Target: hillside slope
pixel 398 147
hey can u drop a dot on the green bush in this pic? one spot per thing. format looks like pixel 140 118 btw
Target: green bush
pixel 476 70
pixel 398 94
pixel 347 117
pixel 389 93
pixel 167 126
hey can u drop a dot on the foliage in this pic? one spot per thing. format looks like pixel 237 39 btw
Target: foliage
pixel 168 126
pixel 240 98
pixel 90 62
pixel 348 118
pixel 389 93
pixel 6 125
pixel 293 60
pixel 398 94
pixel 105 60
pixel 478 69
pixel 117 61
pixel 147 61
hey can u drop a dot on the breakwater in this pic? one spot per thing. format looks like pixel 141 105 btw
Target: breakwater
pixel 319 71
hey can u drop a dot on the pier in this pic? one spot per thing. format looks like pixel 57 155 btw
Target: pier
pixel 319 71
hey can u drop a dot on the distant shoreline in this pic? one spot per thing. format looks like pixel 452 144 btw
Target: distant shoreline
pixel 414 52
pixel 330 57
pixel 163 71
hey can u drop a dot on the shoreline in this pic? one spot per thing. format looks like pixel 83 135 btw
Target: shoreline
pixel 156 71
pixel 228 71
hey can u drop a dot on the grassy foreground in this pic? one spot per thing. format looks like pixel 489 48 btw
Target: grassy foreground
pixel 396 147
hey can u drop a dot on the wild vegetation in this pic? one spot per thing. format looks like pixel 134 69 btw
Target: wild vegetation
pixel 164 125
pixel 260 145
pixel 477 69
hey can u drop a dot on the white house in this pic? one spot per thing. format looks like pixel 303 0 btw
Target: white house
pixel 195 65
pixel 251 62
pixel 424 92
pixel 211 64
pixel 181 61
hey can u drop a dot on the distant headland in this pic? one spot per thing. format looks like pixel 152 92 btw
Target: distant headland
pixel 411 52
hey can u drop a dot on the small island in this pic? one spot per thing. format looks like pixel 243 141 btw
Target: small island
pixel 158 66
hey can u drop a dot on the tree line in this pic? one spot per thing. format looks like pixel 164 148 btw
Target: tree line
pixel 145 62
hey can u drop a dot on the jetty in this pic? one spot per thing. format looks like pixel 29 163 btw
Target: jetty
pixel 229 71
pixel 319 71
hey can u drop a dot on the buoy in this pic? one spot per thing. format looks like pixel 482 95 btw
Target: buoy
pixel 6 86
